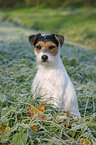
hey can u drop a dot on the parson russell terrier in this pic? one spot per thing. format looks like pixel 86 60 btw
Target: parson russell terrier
pixel 52 81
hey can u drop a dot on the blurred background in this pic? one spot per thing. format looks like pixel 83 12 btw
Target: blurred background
pixel 47 3
pixel 76 20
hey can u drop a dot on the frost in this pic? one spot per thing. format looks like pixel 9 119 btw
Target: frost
pixel 17 70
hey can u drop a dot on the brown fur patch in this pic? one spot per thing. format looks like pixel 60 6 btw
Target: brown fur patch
pixel 53 51
pixel 47 46
pixel 41 44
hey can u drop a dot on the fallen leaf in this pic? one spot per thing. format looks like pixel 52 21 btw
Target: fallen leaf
pixel 87 141
pixel 67 123
pixel 7 128
pixel 34 128
pixel 41 107
pixel 3 129
pixel 66 112
pixel 1 132
pixel 40 110
pixel 82 140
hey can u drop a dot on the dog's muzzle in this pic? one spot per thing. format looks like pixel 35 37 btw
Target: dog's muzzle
pixel 44 58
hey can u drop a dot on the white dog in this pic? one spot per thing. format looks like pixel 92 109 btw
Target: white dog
pixel 52 81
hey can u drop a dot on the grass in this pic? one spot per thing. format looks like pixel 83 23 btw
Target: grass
pixel 78 25
pixel 17 70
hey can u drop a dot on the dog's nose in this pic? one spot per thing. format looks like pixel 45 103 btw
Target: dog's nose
pixel 44 57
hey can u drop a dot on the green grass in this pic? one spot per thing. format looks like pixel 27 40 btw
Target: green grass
pixel 78 25
pixel 17 70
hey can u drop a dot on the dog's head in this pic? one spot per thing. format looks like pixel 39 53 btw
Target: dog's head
pixel 46 47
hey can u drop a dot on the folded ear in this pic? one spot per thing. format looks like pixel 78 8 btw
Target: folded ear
pixel 32 38
pixel 59 38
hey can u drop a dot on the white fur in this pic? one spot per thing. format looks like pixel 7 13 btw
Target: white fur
pixel 53 81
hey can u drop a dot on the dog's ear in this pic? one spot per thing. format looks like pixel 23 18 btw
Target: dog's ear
pixel 59 38
pixel 32 38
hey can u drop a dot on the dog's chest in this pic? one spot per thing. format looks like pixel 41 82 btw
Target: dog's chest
pixel 50 81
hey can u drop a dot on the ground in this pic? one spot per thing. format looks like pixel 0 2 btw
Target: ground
pixel 17 70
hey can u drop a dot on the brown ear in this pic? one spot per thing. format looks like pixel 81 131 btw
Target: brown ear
pixel 59 38
pixel 33 38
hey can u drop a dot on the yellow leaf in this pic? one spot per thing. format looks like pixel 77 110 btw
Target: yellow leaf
pixel 7 128
pixel 39 109
pixel 32 111
pixel 66 112
pixel 2 127
pixel 34 128
pixel 67 124
pixel 87 141
pixel 1 133
pixel 81 141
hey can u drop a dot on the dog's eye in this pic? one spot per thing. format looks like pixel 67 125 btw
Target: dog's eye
pixel 51 47
pixel 38 47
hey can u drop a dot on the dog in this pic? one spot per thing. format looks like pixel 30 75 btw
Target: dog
pixel 52 81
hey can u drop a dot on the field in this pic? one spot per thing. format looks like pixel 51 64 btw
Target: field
pixel 17 70
pixel 77 25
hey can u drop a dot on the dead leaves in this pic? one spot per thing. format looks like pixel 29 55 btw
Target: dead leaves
pixel 34 128
pixel 39 111
pixel 66 112
pixel 3 129
pixel 67 123
pixel 84 141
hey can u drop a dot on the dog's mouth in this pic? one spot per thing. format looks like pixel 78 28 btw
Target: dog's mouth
pixel 44 60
